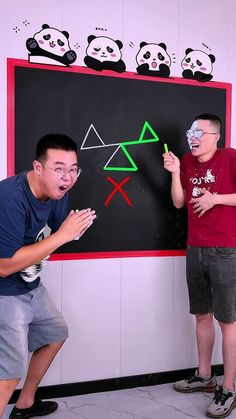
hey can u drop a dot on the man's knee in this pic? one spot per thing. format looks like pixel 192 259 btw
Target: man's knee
pixel 204 318
pixel 229 327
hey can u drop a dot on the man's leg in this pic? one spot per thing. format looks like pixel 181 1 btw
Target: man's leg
pixel 200 299
pixel 13 345
pixel 202 379
pixel 40 361
pixel 200 302
pixel 205 335
pixel 224 400
pixel 223 271
pixel 229 354
pixel 6 389
pixel 47 322
pixel 222 274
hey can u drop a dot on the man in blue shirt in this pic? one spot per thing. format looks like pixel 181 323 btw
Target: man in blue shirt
pixel 31 202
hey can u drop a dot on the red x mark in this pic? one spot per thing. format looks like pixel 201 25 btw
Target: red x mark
pixel 118 187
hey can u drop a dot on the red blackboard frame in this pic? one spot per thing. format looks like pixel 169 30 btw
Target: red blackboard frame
pixel 11 66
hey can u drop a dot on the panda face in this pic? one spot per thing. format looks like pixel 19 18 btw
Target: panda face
pixel 197 61
pixel 103 49
pixel 153 55
pixel 52 40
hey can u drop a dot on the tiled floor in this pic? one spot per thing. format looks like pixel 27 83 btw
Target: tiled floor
pixel 155 402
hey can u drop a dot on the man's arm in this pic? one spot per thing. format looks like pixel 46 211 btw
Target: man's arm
pixel 172 164
pixel 177 191
pixel 75 224
pixel 225 199
pixel 208 200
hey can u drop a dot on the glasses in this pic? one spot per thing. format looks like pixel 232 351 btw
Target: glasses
pixel 74 172
pixel 197 133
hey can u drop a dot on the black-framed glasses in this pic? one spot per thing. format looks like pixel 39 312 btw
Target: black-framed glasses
pixel 60 172
pixel 198 133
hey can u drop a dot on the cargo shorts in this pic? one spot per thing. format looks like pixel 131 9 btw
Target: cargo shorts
pixel 27 322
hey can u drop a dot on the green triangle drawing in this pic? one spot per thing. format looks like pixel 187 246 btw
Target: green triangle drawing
pixel 147 126
pixel 134 168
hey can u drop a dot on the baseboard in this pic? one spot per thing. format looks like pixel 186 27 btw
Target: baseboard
pixel 111 384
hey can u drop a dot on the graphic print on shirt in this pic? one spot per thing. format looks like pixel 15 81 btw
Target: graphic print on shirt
pixel 32 272
pixel 201 181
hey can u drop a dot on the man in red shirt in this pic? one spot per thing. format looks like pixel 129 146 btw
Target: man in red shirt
pixel 206 181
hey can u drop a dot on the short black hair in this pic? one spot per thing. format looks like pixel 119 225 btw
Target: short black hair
pixel 56 142
pixel 214 119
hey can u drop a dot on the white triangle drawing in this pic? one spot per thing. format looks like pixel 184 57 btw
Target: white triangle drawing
pixel 84 147
pixel 107 163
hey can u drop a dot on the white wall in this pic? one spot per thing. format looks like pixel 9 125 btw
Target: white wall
pixel 126 316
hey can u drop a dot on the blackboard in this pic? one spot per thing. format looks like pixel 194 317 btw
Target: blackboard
pixel 100 111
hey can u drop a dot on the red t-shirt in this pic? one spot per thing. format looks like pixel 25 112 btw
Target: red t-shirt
pixel 217 226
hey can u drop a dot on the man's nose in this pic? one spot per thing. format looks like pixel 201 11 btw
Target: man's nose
pixel 66 175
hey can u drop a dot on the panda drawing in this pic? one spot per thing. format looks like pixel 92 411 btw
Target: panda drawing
pixel 50 46
pixel 197 65
pixel 104 53
pixel 153 60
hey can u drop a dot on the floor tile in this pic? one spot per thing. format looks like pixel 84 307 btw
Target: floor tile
pixel 151 402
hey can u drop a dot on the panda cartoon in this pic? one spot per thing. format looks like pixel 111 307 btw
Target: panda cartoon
pixel 153 60
pixel 50 46
pixel 197 65
pixel 104 53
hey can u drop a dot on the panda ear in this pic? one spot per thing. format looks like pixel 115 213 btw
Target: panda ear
pixel 162 45
pixel 66 34
pixel 119 43
pixel 188 50
pixel 45 26
pixel 91 38
pixel 143 44
pixel 212 58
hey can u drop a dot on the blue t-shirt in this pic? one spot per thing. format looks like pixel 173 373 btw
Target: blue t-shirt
pixel 23 221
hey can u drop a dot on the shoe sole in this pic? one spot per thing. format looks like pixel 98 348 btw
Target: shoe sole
pixel 33 415
pixel 233 405
pixel 210 389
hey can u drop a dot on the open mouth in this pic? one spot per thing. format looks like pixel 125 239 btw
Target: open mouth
pixel 63 188
pixel 194 146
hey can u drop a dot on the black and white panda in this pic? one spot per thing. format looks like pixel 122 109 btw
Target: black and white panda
pixel 50 46
pixel 197 65
pixel 153 60
pixel 104 53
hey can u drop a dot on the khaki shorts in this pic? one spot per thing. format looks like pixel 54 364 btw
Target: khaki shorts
pixel 27 322
pixel 211 279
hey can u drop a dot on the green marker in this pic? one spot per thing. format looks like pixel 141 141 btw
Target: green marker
pixel 166 148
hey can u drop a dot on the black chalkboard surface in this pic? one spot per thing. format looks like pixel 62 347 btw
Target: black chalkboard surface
pixel 125 183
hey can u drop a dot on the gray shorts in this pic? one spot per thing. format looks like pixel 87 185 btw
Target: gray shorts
pixel 211 279
pixel 27 322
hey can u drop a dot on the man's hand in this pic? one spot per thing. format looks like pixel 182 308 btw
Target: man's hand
pixel 76 223
pixel 171 162
pixel 203 203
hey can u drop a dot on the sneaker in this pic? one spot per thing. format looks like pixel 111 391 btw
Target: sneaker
pixel 39 408
pixel 224 401
pixel 196 383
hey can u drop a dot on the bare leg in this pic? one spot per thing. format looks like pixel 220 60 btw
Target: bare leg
pixel 6 389
pixel 39 364
pixel 205 334
pixel 229 354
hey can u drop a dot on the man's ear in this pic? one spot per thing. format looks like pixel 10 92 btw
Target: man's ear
pixel 37 167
